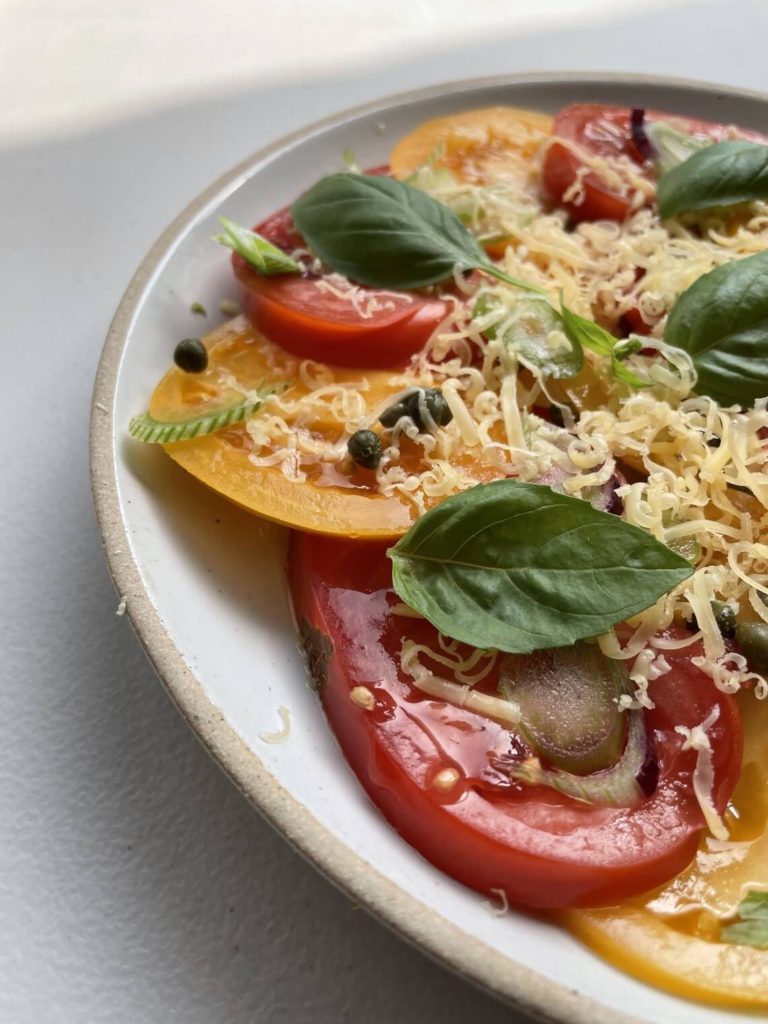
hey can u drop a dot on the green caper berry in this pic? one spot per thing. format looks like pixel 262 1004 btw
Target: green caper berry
pixel 725 617
pixel 191 356
pixel 365 448
pixel 752 638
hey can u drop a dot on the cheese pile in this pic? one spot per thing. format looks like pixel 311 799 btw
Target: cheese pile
pixel 703 468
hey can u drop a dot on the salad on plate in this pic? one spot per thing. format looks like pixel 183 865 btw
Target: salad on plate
pixel 509 392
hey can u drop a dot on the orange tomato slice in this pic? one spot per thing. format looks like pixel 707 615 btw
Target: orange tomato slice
pixel 477 146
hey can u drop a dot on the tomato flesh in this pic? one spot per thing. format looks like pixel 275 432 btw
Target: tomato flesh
pixel 605 132
pixel 542 848
pixel 304 315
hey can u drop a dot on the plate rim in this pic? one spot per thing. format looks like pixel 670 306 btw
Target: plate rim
pixel 406 915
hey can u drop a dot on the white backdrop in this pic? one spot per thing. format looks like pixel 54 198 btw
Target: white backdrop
pixel 135 884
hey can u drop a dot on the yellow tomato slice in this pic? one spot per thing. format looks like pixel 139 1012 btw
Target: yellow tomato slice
pixel 332 500
pixel 671 938
pixel 477 146
pixel 642 944
pixel 335 504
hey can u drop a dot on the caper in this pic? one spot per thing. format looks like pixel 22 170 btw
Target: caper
pixel 725 617
pixel 752 638
pixel 411 406
pixel 191 356
pixel 393 413
pixel 365 448
pixel 436 405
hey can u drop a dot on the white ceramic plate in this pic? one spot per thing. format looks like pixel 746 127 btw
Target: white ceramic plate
pixel 204 588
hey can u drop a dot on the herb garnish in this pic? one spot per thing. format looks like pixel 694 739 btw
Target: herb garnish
pixel 529 334
pixel 151 431
pixel 752 928
pixel 519 567
pixel 261 254
pixel 721 321
pixel 588 334
pixel 672 146
pixel 386 234
pixel 722 174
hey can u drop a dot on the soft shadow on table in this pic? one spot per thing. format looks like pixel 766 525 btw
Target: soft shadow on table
pixel 115 814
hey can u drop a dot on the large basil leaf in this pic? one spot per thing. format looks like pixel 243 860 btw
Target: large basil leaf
pixel 529 334
pixel 719 175
pixel 387 234
pixel 752 927
pixel 721 321
pixel 519 567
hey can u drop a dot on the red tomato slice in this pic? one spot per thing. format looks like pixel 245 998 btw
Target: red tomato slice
pixel 605 131
pixel 541 848
pixel 303 315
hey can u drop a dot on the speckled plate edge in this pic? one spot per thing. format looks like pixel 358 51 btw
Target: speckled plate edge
pixel 404 914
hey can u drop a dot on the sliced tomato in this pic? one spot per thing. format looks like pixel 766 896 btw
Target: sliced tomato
pixel 605 132
pixel 541 848
pixel 307 316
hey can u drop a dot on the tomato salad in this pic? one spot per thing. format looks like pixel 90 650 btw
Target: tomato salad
pixel 510 393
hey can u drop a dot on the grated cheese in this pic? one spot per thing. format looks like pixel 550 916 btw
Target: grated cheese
pixel 282 734
pixel 697 738
pixel 688 455
pixel 503 905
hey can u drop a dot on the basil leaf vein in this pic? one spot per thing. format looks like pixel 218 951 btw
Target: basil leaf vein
pixel 386 234
pixel 721 321
pixel 255 250
pixel 519 567
pixel 719 175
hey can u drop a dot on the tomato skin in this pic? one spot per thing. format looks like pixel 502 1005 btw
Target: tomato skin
pixel 605 131
pixel 543 849
pixel 293 312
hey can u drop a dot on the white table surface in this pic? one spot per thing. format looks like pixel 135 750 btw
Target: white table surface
pixel 136 885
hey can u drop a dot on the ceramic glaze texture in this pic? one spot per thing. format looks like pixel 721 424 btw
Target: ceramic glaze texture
pixel 181 557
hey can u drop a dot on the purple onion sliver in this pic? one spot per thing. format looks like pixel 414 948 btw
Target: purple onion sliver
pixel 643 144
pixel 616 504
pixel 648 779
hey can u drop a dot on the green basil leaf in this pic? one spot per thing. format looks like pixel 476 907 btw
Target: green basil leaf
pixel 672 147
pixel 587 333
pixel 386 234
pixel 531 332
pixel 519 567
pixel 721 321
pixel 752 928
pixel 627 347
pixel 624 374
pixel 261 254
pixel 590 335
pixel 720 175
